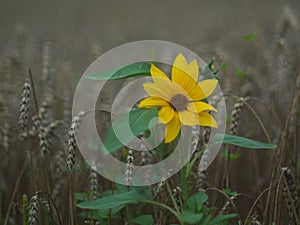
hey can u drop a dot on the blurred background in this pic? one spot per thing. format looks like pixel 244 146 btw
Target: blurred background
pixel 73 25
pixel 254 43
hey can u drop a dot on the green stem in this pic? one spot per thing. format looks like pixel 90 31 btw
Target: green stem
pixel 177 215
pixel 191 163
pixel 25 209
pixel 185 187
pixel 172 198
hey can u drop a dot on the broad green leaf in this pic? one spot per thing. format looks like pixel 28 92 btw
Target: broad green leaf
pixel 206 220
pixel 140 69
pixel 105 214
pixel 136 69
pixel 241 142
pixel 249 37
pixel 197 200
pixel 190 217
pixel 138 120
pixel 113 201
pixel 102 215
pixel 219 219
pixel 143 220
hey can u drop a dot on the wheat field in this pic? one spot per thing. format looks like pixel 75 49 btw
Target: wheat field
pixel 46 47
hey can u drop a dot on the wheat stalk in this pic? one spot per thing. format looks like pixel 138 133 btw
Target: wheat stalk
pixel 71 139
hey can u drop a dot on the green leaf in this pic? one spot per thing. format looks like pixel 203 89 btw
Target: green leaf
pixel 190 217
pixel 240 73
pixel 235 156
pixel 224 153
pixel 224 66
pixel 80 196
pixel 228 118
pixel 138 120
pixel 249 37
pixel 208 70
pixel 113 201
pixel 136 69
pixel 220 219
pixel 229 192
pixel 206 220
pixel 241 142
pixel 197 200
pixel 143 220
pixel 101 215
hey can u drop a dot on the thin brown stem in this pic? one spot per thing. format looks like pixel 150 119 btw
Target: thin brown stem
pixel 17 184
pixel 255 203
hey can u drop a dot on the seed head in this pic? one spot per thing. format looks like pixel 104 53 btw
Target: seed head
pixel 24 106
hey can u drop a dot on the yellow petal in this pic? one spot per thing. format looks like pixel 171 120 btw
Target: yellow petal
pixel 186 75
pixel 181 66
pixel 151 102
pixel 203 89
pixel 179 63
pixel 156 72
pixel 155 90
pixel 172 129
pixel 193 70
pixel 186 82
pixel 208 86
pixel 188 118
pixel 198 107
pixel 166 114
pixel 205 119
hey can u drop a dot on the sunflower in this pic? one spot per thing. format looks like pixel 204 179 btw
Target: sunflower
pixel 179 99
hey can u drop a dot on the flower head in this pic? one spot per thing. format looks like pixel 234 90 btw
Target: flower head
pixel 179 99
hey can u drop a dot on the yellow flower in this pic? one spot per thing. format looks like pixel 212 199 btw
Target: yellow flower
pixel 178 99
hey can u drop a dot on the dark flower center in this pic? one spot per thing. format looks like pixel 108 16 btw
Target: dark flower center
pixel 179 102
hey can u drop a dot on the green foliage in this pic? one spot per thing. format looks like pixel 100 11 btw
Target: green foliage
pixel 229 192
pixel 138 121
pixel 250 37
pixel 96 215
pixel 142 69
pixel 197 200
pixel 136 69
pixel 222 219
pixel 209 70
pixel 25 209
pixel 233 156
pixel 115 200
pixel 224 66
pixel 191 217
pixel 228 118
pixel 241 142
pixel 143 220
pixel 240 73
pixel 197 212
pixel 80 196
